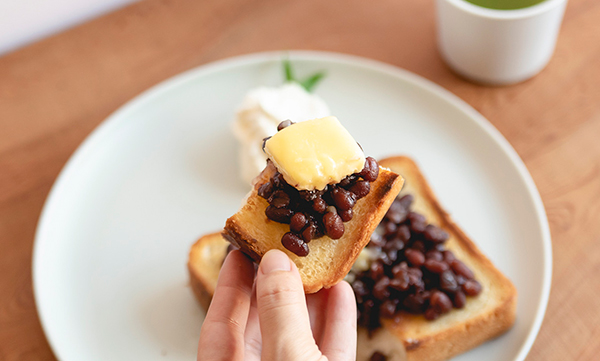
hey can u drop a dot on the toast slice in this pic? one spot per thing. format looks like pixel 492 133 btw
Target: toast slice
pixel 413 338
pixel 329 259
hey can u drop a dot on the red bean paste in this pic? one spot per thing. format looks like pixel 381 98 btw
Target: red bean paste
pixel 413 272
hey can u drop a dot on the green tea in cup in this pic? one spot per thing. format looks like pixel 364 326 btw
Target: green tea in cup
pixel 505 4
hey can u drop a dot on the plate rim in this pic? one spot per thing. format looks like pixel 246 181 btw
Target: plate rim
pixel 113 120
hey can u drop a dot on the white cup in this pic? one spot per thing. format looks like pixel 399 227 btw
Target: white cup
pixel 498 47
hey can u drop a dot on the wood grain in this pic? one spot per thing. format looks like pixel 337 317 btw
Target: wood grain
pixel 53 93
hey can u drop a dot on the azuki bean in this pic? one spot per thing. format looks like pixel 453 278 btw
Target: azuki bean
pixel 380 290
pixel 472 288
pixel 435 266
pixel 436 255
pixel 417 222
pixel 319 205
pixel 295 244
pixel 280 199
pixel 440 302
pixel 286 123
pixel 435 234
pixel 265 190
pixel 461 269
pixel 309 232
pixel 343 199
pixel 406 201
pixel 388 308
pixel 414 257
pixel 360 188
pixel 281 215
pixel 448 281
pixel 298 222
pixel 370 171
pixel 334 226
pixel 346 215
pixel 459 300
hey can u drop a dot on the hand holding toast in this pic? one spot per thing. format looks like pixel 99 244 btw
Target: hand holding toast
pixel 270 318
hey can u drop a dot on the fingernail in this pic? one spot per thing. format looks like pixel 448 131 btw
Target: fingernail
pixel 275 260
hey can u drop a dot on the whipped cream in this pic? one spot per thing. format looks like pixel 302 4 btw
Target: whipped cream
pixel 259 114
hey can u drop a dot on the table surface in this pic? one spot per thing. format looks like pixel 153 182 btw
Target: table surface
pixel 53 93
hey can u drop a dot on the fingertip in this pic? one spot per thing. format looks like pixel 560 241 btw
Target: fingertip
pixel 273 261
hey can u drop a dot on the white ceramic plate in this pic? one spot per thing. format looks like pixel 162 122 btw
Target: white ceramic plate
pixel 112 243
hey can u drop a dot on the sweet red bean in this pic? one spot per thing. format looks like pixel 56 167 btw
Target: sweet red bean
pixel 380 290
pixel 370 171
pixel 360 289
pixel 417 222
pixel 440 302
pixel 435 266
pixel 435 234
pixel 298 222
pixel 265 190
pixel 448 281
pixel 431 314
pixel 435 255
pixel 388 308
pixel 448 256
pixel 414 257
pixel 348 181
pixel 403 233
pixel 334 226
pixel 319 205
pixel 461 269
pixel 346 215
pixel 309 233
pixel 376 270
pixel 281 215
pixel 459 300
pixel 286 123
pixel 343 199
pixel 280 199
pixel 406 201
pixel 472 288
pixel 400 281
pixel 295 244
pixel 360 188
pixel 390 228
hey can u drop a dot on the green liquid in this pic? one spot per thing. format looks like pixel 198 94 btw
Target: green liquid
pixel 505 4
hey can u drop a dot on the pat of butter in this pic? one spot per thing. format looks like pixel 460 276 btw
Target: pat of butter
pixel 315 153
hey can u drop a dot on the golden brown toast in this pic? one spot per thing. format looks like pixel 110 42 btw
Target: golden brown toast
pixel 414 338
pixel 329 259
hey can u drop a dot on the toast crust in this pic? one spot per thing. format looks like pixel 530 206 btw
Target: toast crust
pixel 486 316
pixel 255 234
pixel 411 337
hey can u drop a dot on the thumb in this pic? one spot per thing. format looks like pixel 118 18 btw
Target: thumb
pixel 282 311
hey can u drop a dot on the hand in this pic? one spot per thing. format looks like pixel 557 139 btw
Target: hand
pixel 274 320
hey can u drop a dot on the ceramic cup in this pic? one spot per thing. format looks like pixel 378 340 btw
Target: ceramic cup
pixel 498 47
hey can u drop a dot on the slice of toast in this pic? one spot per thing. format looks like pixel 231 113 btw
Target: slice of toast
pixel 413 338
pixel 329 259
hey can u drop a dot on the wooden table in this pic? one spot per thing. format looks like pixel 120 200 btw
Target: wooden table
pixel 53 93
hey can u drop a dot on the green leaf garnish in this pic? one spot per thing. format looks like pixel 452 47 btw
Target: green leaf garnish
pixel 287 68
pixel 308 83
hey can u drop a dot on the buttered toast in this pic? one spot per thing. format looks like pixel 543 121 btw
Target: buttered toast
pixel 329 259
pixel 408 336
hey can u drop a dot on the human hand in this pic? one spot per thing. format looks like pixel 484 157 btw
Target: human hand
pixel 274 320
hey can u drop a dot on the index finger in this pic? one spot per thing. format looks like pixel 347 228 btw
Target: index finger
pixel 222 333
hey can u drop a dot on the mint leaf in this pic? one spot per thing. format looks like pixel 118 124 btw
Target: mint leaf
pixel 287 68
pixel 310 82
